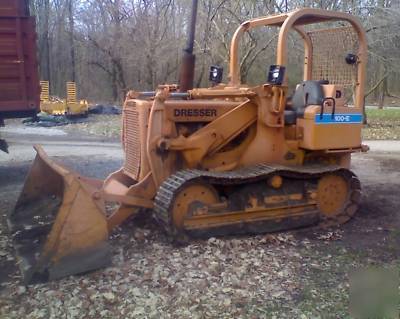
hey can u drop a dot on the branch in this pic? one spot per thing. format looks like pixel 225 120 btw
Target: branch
pixel 392 95
pixel 253 45
pixel 216 9
pixel 98 46
pixel 99 65
pixel 376 85
pixel 259 52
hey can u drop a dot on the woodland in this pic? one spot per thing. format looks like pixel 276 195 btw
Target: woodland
pixel 111 46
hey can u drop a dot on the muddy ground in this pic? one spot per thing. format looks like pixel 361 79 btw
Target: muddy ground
pixel 295 274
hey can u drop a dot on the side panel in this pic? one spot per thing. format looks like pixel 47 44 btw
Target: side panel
pixel 340 130
pixel 19 83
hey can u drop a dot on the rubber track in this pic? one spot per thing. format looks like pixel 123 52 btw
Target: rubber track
pixel 170 187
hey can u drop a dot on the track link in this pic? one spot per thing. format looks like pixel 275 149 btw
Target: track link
pixel 170 188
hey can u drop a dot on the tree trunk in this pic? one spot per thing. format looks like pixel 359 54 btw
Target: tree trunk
pixel 45 61
pixel 71 39
pixel 383 89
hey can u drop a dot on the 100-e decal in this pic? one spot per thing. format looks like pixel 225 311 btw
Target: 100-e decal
pixel 328 118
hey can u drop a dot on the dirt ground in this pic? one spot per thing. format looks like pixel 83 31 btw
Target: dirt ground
pixel 295 274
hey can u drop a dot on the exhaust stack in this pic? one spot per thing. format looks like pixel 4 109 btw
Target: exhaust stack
pixel 189 59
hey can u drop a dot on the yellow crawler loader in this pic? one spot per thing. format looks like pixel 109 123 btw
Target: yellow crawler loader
pixel 228 159
pixel 69 107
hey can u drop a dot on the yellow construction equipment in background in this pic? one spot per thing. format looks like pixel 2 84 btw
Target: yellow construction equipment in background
pixel 228 159
pixel 55 106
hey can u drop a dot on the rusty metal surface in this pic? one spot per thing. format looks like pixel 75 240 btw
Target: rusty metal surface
pixel 189 59
pixel 19 82
pixel 187 72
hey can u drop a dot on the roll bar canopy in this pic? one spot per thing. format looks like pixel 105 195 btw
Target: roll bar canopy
pixel 295 20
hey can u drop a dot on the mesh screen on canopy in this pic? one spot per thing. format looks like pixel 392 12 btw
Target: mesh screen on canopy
pixel 330 47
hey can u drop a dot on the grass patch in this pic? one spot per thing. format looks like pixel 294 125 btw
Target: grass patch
pixel 383 124
pixel 325 290
pixel 383 114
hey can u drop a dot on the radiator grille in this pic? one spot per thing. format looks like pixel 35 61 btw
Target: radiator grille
pixel 131 140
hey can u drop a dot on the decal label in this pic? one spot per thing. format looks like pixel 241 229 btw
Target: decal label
pixel 195 112
pixel 347 118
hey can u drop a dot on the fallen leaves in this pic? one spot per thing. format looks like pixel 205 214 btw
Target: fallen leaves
pixel 109 296
pixel 331 235
pixel 150 277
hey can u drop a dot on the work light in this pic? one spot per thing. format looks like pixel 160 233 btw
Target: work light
pixel 276 74
pixel 216 73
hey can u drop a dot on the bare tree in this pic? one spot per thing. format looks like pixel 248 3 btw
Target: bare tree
pixel 111 46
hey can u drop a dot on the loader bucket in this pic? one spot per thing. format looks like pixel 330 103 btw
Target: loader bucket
pixel 58 225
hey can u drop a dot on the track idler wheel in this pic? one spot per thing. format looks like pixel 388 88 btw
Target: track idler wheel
pixel 338 196
pixel 192 200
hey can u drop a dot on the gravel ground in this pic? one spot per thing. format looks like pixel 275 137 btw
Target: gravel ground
pixel 98 125
pixel 296 274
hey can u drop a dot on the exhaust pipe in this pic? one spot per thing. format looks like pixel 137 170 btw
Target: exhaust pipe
pixel 189 59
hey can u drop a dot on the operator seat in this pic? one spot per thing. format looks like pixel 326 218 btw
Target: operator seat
pixel 307 93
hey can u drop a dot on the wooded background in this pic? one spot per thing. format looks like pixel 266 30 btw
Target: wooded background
pixel 111 46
